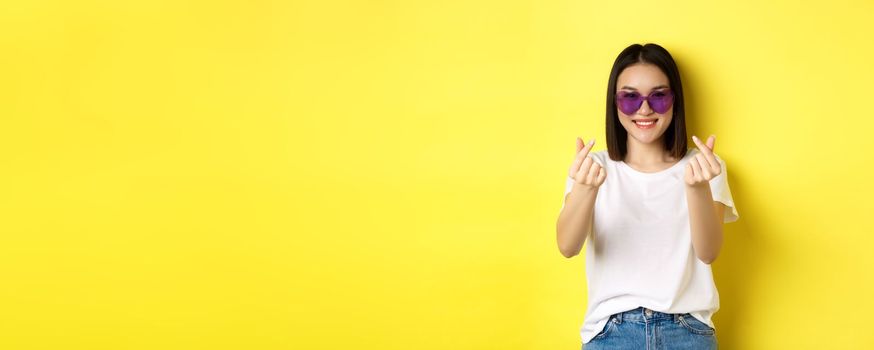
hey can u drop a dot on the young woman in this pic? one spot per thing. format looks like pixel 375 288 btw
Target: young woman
pixel 651 210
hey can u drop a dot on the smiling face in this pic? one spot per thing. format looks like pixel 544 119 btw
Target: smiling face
pixel 645 125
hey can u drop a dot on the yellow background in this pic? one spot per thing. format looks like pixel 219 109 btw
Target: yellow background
pixel 387 174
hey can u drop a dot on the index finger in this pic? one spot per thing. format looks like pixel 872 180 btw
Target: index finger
pixel 585 151
pixel 711 142
pixel 700 144
pixel 707 151
pixel 581 156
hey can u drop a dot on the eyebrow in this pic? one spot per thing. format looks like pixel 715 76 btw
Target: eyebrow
pixel 656 87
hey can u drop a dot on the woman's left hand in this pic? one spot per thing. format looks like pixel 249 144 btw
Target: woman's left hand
pixel 703 166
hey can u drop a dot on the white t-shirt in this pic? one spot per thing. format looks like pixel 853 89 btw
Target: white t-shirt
pixel 640 251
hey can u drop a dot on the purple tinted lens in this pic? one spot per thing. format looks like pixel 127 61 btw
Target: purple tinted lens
pixel 630 102
pixel 660 102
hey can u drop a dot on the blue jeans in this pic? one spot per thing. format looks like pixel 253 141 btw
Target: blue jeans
pixel 643 328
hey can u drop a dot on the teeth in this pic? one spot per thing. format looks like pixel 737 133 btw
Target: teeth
pixel 645 123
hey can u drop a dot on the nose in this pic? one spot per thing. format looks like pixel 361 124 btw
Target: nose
pixel 644 108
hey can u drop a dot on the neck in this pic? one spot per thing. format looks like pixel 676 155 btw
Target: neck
pixel 646 153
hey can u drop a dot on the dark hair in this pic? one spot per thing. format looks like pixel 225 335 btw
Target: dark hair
pixel 675 135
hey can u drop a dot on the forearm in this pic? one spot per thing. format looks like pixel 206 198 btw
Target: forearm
pixel 706 227
pixel 575 220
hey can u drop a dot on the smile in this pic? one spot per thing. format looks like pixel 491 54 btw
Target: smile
pixel 645 124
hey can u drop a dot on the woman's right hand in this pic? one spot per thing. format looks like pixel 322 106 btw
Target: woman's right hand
pixel 584 170
pixel 575 220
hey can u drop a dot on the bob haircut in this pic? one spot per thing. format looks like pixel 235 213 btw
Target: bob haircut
pixel 674 137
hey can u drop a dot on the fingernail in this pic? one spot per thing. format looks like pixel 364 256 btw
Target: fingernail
pixel 695 137
pixel 591 142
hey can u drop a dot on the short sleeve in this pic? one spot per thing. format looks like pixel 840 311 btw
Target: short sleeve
pixel 722 193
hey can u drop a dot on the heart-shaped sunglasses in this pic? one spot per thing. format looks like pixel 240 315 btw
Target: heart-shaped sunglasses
pixel 630 101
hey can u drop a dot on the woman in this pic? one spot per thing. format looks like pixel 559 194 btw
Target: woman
pixel 652 211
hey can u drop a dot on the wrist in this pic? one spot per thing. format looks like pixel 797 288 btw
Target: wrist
pixel 586 190
pixel 699 187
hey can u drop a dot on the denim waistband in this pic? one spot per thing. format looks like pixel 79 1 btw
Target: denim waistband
pixel 642 314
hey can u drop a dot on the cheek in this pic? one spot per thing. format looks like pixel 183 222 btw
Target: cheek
pixel 625 120
pixel 669 116
pixel 668 120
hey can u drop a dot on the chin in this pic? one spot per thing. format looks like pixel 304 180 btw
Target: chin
pixel 649 140
pixel 645 136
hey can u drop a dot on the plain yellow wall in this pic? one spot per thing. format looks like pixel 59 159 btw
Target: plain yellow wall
pixel 387 174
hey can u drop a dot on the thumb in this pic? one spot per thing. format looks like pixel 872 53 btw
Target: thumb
pixel 580 144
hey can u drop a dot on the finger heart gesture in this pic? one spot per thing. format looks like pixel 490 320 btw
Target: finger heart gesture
pixel 703 166
pixel 584 170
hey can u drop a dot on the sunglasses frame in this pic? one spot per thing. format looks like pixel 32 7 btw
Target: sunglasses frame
pixel 646 98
